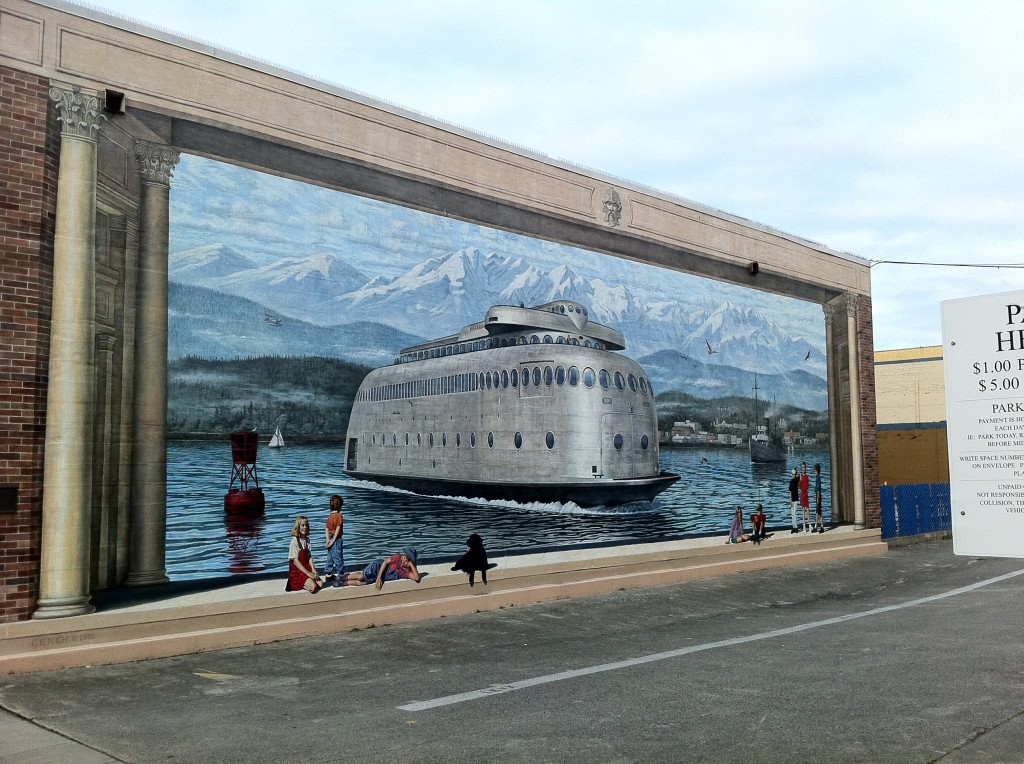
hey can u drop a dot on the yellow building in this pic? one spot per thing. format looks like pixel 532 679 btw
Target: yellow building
pixel 910 395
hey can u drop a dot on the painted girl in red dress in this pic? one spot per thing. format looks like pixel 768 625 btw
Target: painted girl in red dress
pixel 301 568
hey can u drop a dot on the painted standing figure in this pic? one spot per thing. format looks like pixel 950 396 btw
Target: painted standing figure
pixel 805 500
pixel 335 546
pixel 794 498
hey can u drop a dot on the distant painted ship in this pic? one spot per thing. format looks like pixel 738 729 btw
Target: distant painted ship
pixel 530 404
pixel 766 444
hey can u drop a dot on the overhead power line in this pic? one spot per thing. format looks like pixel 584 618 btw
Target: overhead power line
pixel 873 263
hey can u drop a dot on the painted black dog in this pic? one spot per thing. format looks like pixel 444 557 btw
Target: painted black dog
pixel 474 559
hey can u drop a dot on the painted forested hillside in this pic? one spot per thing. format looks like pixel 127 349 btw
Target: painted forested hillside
pixel 308 397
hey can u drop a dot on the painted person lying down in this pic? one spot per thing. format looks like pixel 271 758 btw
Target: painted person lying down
pixel 394 568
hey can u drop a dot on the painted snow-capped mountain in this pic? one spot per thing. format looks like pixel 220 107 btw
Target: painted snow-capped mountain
pixel 301 287
pixel 446 293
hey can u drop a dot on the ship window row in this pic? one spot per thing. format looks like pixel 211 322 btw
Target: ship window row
pixel 536 376
pixel 458 348
pixel 384 439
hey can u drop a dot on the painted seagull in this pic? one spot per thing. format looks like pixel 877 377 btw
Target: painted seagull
pixel 710 349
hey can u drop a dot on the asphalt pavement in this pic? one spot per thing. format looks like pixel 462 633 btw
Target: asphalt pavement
pixel 911 656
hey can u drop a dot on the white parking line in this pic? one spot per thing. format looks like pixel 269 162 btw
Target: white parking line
pixel 499 689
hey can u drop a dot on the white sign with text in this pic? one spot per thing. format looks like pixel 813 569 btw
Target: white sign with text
pixel 983 350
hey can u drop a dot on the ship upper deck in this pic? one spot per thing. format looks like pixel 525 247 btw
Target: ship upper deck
pixel 558 322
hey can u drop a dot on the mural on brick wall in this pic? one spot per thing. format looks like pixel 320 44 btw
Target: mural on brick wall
pixel 284 296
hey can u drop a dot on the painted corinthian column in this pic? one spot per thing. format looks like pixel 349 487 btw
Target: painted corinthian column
pixel 832 377
pixel 856 436
pixel 67 466
pixel 148 534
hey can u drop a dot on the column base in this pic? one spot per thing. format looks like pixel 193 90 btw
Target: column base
pixel 63 607
pixel 147 578
pixel 860 527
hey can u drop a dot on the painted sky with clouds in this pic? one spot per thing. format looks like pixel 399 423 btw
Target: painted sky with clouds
pixel 891 130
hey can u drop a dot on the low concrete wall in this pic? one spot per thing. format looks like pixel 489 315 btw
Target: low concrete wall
pixel 259 612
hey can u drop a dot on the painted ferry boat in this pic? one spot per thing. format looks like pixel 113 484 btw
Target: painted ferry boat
pixel 530 404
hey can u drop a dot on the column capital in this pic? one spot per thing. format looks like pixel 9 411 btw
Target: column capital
pixel 829 310
pixel 156 162
pixel 851 305
pixel 79 113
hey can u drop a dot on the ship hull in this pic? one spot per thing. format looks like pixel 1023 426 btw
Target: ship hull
pixel 766 453
pixel 527 406
pixel 590 493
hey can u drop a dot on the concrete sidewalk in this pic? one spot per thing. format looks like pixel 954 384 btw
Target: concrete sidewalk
pixel 26 742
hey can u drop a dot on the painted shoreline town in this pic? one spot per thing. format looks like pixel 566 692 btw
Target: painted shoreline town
pixel 180 276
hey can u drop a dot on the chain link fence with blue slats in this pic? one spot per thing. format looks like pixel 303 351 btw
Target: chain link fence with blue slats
pixel 908 510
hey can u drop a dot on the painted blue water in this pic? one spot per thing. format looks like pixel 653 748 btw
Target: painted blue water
pixel 203 542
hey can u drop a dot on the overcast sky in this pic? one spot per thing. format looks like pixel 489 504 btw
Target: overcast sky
pixel 891 130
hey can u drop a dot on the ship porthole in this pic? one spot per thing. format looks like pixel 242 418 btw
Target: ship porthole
pixel 430 440
pixel 560 376
pixel 514 377
pixel 574 376
pixel 619 381
pixel 407 439
pixel 588 377
pixel 617 442
pixel 490 440
pixel 419 439
pixel 644 442
pixel 526 377
pixel 519 440
pixel 549 375
pixel 550 440
pixel 394 439
pixel 458 440
pixel 536 376
pixel 444 439
pixel 504 377
pixel 604 379
pixel 632 383
pixel 472 440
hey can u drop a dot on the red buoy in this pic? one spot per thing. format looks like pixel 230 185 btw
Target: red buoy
pixel 243 497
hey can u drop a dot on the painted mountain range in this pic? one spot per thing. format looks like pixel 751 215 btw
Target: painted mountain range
pixel 322 304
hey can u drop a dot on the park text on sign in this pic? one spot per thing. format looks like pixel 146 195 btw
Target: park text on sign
pixel 983 351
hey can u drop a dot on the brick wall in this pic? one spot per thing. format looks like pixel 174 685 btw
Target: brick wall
pixel 866 367
pixel 29 145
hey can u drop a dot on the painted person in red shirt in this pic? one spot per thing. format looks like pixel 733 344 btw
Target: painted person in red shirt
pixel 758 520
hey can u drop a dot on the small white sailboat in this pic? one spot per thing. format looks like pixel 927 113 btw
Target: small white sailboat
pixel 277 441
